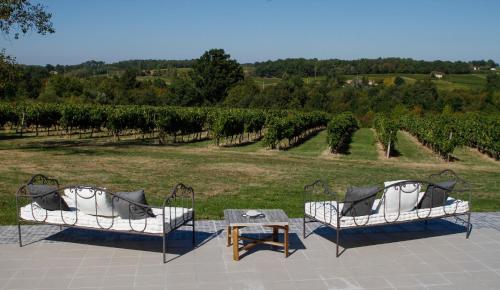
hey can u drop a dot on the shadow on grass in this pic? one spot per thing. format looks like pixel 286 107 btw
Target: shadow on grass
pixel 242 144
pixel 345 147
pixel 49 144
pixel 302 140
pixel 395 153
pixel 361 237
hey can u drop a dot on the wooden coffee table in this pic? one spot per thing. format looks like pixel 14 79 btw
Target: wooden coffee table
pixel 273 218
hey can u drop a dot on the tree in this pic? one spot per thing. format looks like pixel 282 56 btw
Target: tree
pixel 9 76
pixel 20 16
pixel 214 73
pixel 128 79
pixel 60 88
pixel 493 81
pixel 183 92
pixel 399 81
pixel 242 95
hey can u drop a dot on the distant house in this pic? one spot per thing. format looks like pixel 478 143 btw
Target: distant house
pixel 437 75
pixel 372 83
pixel 493 68
pixel 475 68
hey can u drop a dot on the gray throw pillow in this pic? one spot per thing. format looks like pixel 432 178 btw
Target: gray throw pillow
pixel 436 195
pixel 128 210
pixel 50 200
pixel 359 201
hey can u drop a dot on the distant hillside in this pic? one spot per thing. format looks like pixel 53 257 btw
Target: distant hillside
pixel 292 66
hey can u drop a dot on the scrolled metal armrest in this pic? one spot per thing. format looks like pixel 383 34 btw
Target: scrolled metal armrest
pixel 37 178
pixel 177 194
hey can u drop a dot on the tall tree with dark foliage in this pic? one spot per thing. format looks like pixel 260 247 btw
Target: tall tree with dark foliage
pixel 214 73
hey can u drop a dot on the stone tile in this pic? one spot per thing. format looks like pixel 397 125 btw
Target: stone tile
pixel 124 261
pixel 7 273
pixel 212 277
pixel 180 279
pixel 276 275
pixel 3 282
pixel 283 285
pixel 373 282
pixel 22 283
pixel 121 271
pixel 118 281
pixel 149 270
pixel 403 280
pixel 342 283
pixel 61 272
pixel 30 273
pixel 391 258
pixel 492 263
pixel 485 275
pixel 95 262
pixel 442 287
pixel 432 279
pixel 86 282
pixel 150 280
pixel 310 284
pixel 9 264
pixel 54 283
pixel 95 272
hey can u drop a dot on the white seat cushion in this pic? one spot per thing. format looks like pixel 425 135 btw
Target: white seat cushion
pixel 399 198
pixel 174 216
pixel 326 212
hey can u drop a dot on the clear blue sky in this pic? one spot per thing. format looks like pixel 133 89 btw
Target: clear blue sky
pixel 257 30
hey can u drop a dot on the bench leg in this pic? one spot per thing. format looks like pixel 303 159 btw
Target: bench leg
pixel 19 234
pixel 304 227
pixel 469 228
pixel 286 241
pixel 164 248
pixel 194 233
pixel 338 240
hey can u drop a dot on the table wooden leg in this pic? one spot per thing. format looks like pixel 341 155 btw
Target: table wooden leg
pixel 235 234
pixel 228 231
pixel 275 234
pixel 286 241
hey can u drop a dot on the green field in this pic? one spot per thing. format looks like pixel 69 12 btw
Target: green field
pixel 450 81
pixel 230 177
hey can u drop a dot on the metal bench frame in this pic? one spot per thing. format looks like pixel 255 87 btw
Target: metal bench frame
pixel 182 196
pixel 320 187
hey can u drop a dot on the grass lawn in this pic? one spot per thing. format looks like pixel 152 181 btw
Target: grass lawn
pixel 229 177
pixel 362 146
pixel 411 151
pixel 314 146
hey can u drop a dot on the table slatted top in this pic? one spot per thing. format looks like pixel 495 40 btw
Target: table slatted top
pixel 272 217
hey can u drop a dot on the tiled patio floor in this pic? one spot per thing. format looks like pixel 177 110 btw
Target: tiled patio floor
pixel 406 257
